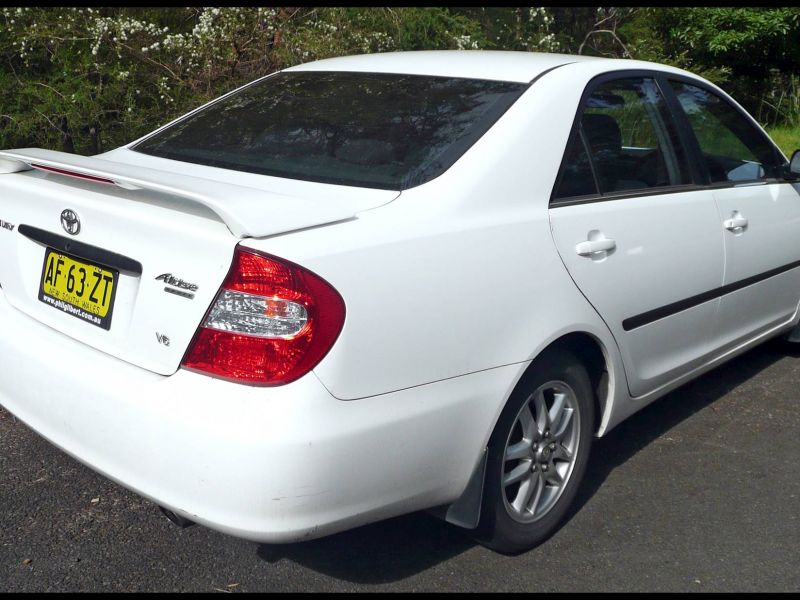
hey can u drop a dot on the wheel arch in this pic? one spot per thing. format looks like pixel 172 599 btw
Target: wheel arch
pixel 595 356
pixel 592 353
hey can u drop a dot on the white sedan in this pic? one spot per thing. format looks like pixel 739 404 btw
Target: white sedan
pixel 377 284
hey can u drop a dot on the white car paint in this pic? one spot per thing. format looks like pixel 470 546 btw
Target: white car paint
pixel 247 211
pixel 268 464
pixel 769 238
pixel 656 262
pixel 452 289
pixel 495 65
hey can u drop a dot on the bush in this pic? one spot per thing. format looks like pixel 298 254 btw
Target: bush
pixel 80 79
pixel 88 79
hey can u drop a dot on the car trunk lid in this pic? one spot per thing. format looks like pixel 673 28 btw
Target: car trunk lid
pixel 246 211
pixel 166 237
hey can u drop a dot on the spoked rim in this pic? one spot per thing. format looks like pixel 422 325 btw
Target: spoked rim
pixel 540 452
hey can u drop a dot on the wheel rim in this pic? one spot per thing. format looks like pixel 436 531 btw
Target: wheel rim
pixel 540 452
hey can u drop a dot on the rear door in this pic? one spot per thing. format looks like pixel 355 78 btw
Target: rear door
pixel 638 237
pixel 759 214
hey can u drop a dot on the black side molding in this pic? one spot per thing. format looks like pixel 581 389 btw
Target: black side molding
pixel 81 250
pixel 676 307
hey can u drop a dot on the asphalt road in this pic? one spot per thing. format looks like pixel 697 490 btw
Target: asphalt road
pixel 698 492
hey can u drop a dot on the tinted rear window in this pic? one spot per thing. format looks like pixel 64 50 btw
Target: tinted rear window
pixel 362 129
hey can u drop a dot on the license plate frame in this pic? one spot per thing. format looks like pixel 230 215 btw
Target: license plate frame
pixel 83 306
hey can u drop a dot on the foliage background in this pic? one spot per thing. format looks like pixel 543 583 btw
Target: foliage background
pixel 88 79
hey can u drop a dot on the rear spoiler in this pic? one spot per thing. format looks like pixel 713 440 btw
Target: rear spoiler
pixel 247 211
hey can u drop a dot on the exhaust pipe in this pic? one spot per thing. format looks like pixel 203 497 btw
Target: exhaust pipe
pixel 176 519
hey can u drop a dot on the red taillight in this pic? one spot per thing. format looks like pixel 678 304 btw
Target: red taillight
pixel 271 323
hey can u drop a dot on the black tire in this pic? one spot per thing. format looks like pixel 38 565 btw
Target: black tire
pixel 498 529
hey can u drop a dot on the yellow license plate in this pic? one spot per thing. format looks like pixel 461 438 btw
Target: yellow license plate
pixel 79 288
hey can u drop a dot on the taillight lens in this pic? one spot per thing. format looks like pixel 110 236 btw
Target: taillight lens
pixel 271 323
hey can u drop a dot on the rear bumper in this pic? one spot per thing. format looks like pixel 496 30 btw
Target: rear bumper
pixel 268 464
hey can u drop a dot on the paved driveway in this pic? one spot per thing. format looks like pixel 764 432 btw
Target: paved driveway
pixel 699 491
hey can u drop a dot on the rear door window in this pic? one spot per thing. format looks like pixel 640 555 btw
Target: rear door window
pixel 577 176
pixel 626 139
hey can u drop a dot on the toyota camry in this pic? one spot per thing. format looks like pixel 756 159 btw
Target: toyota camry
pixel 377 284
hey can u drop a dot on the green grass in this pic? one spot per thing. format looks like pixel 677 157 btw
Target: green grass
pixel 786 136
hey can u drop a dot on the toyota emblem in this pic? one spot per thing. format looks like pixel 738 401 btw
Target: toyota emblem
pixel 70 221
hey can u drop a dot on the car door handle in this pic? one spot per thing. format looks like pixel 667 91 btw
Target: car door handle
pixel 590 247
pixel 736 221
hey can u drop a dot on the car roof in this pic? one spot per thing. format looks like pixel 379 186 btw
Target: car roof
pixel 496 65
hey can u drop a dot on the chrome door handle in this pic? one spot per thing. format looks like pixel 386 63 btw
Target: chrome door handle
pixel 736 221
pixel 590 247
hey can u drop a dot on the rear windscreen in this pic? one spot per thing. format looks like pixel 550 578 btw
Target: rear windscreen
pixel 363 129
